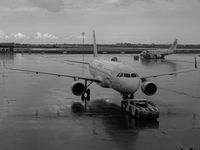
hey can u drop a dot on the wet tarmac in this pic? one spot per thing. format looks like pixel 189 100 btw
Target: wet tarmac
pixel 36 110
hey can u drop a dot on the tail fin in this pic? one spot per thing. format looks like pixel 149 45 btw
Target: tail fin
pixel 195 62
pixel 95 52
pixel 174 45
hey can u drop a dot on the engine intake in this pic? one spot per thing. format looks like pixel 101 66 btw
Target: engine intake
pixel 148 88
pixel 77 88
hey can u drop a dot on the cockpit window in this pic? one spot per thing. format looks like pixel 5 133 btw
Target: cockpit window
pixel 127 75
pixel 133 75
pixel 120 75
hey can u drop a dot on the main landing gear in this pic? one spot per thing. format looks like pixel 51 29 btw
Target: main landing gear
pixel 85 97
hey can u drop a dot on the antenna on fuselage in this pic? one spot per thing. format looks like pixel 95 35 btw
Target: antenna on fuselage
pixel 94 45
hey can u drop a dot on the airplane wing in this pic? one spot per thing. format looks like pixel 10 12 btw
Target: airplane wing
pixel 79 62
pixel 170 73
pixel 166 73
pixel 58 75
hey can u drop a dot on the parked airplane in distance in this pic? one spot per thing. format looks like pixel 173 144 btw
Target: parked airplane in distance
pixel 158 53
pixel 110 74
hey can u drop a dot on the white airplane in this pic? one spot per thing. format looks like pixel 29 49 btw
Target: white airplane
pixel 111 74
pixel 158 53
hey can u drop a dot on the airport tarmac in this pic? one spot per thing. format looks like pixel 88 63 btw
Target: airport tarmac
pixel 36 114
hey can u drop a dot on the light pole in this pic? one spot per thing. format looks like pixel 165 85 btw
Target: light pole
pixel 83 36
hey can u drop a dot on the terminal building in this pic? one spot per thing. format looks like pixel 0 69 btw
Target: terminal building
pixel 7 47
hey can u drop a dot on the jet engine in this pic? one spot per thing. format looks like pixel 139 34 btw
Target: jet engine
pixel 148 88
pixel 77 88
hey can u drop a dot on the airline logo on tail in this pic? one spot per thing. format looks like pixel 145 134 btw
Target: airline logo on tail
pixel 174 45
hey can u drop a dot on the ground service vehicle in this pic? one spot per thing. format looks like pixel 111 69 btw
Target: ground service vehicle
pixel 140 108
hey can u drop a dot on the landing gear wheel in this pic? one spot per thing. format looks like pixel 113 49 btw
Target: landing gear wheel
pixel 130 111
pixel 137 114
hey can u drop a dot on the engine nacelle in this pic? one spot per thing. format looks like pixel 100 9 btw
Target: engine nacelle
pixel 77 88
pixel 148 88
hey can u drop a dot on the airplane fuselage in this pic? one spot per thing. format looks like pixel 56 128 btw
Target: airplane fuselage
pixel 115 75
pixel 156 54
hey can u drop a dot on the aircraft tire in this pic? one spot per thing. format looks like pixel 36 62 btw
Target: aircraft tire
pixel 137 114
pixel 130 111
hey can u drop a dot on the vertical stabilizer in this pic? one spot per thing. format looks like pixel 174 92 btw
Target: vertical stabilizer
pixel 94 45
pixel 195 62
pixel 173 46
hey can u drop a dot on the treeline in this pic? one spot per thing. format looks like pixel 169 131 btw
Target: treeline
pixel 118 45
pixel 153 45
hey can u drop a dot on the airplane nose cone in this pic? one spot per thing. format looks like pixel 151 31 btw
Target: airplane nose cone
pixel 132 85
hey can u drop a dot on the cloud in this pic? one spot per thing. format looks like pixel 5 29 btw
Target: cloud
pixel 125 2
pixel 116 2
pixel 169 0
pixel 50 5
pixel 81 36
pixel 129 2
pixel 2 34
pixel 18 35
pixel 69 37
pixel 49 36
pixel 113 1
pixel 39 35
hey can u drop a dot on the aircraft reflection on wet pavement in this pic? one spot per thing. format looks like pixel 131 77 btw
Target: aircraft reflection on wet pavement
pixel 159 63
pixel 113 118
pixel 120 127
pixel 39 107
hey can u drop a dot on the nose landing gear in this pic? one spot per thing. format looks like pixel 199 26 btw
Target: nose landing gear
pixel 124 101
pixel 85 97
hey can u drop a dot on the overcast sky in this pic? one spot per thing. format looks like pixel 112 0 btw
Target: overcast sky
pixel 134 21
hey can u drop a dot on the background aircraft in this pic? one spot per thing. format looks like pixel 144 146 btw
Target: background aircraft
pixel 158 53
